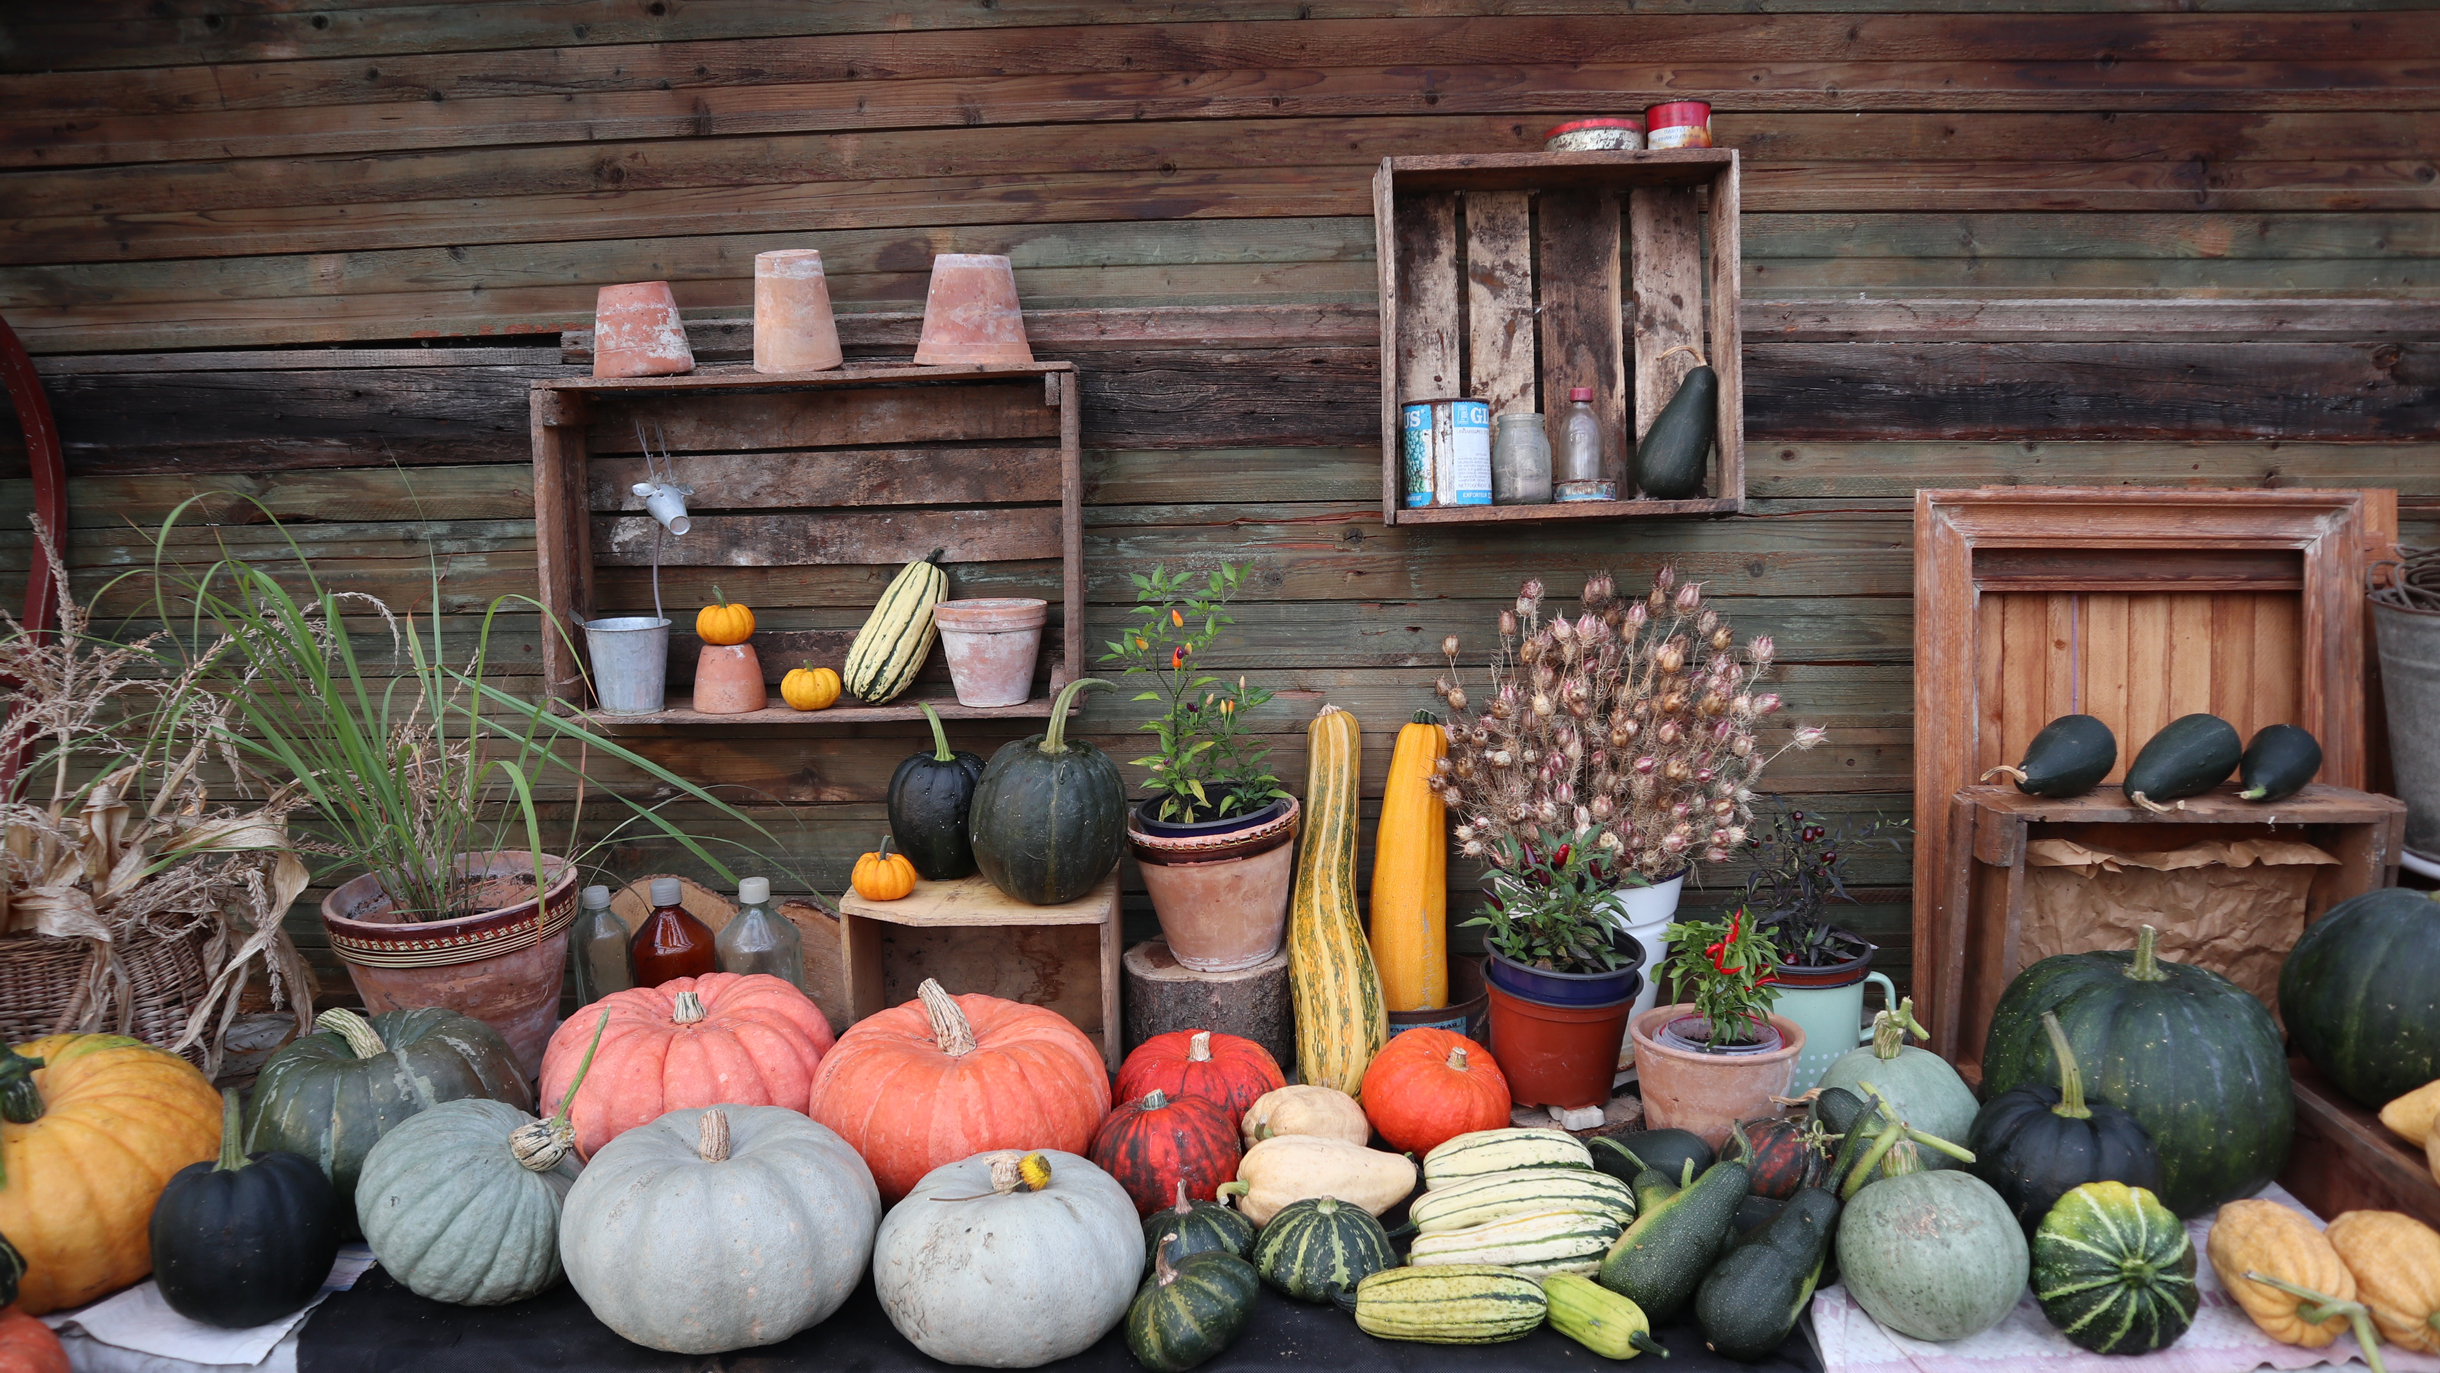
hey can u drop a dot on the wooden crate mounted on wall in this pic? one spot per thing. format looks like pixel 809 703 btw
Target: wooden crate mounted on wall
pixel 1511 277
pixel 811 490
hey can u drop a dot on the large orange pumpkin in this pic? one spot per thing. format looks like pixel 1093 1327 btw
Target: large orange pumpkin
pixel 1429 1086
pixel 942 1078
pixel 28 1346
pixel 78 1181
pixel 723 1039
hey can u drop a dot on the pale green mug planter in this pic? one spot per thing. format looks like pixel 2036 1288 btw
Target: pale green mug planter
pixel 1832 1016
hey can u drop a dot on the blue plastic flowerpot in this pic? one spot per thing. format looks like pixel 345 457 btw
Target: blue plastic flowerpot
pixel 1573 989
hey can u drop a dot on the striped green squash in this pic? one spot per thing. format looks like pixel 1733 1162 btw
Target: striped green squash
pixel 1318 1244
pixel 2114 1270
pixel 1545 1242
pixel 1498 1151
pixel 898 635
pixel 1465 1304
pixel 1522 1191
pixel 1191 1309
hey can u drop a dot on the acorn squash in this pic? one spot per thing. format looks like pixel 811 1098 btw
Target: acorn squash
pixel 2360 993
pixel 1049 817
pixel 2114 1271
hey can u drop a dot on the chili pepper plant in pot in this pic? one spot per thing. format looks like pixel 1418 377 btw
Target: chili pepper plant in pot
pixel 1214 838
pixel 1799 869
pixel 1562 975
pixel 1719 1057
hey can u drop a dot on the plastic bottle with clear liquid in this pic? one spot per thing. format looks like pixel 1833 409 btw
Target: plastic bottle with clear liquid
pixel 671 943
pixel 1577 465
pixel 759 939
pixel 598 945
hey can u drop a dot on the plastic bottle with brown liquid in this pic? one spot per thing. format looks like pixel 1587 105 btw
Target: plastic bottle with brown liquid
pixel 670 943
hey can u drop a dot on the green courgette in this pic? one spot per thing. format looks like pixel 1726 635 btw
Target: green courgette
pixel 1752 1297
pixel 2068 758
pixel 1753 1213
pixel 1661 1257
pixel 1664 1151
pixel 2191 755
pixel 2277 764
pixel 1672 460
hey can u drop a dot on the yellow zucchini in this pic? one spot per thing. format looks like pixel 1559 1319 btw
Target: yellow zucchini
pixel 1410 887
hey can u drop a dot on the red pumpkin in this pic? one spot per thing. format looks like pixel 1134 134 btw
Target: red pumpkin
pixel 723 1039
pixel 1428 1086
pixel 28 1346
pixel 1158 1143
pixel 1221 1067
pixel 943 1078
pixel 1777 1159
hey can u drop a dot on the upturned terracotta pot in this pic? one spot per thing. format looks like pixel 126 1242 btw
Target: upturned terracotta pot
pixel 502 966
pixel 991 645
pixel 1707 1093
pixel 1561 1056
pixel 729 680
pixel 637 333
pixel 970 312
pixel 1221 894
pixel 794 330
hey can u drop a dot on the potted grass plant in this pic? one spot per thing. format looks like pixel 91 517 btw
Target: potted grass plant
pixel 1799 869
pixel 1719 1056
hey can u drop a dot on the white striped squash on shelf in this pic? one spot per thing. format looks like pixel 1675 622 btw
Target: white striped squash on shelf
pixel 898 635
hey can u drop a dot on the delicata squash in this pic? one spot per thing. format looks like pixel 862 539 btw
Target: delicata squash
pixel 2396 1262
pixel 2288 1277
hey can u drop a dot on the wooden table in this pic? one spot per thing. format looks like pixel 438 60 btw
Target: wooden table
pixel 973 903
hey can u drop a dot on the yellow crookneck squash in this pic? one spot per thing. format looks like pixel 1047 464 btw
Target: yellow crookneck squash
pixel 87 1142
pixel 2396 1262
pixel 1410 888
pixel 1340 1022
pixel 2286 1275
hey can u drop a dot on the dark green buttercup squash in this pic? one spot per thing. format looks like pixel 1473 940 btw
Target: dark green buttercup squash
pixel 1191 1308
pixel 2036 1144
pixel 2114 1270
pixel 2278 763
pixel 2360 993
pixel 241 1241
pixel 2069 757
pixel 1050 813
pixel 1321 1244
pixel 930 797
pixel 1196 1227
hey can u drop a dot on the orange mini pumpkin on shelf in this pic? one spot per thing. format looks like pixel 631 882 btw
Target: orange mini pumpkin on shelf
pixel 727 622
pixel 1428 1086
pixel 809 687
pixel 882 875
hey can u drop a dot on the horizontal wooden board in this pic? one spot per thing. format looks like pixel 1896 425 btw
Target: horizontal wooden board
pixel 1000 534
pixel 848 417
pixel 837 477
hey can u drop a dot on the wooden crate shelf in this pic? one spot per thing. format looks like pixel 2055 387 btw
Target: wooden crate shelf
pixel 1512 277
pixel 853 472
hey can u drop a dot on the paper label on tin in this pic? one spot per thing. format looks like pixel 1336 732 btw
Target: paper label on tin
pixel 1679 136
pixel 1469 460
pixel 1416 455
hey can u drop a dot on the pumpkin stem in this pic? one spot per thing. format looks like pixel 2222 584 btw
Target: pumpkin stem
pixel 1341 1298
pixel 1457 1059
pixel 1223 1192
pixel 1424 717
pixel 2071 1075
pixel 1639 1340
pixel 20 1099
pixel 1154 1100
pixel 1199 1048
pixel 1186 1205
pixel 686 1011
pixel 1054 739
pixel 940 735
pixel 2016 775
pixel 712 1136
pixel 355 1029
pixel 232 1144
pixel 1012 1172
pixel 541 1144
pixel 2149 804
pixel 950 1028
pixel 1164 1272
pixel 1890 1029
pixel 2146 965
pixel 2317 1308
pixel 722 600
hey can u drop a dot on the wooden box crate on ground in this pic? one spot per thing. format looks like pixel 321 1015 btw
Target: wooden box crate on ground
pixel 1513 277
pixel 2344 1159
pixel 811 490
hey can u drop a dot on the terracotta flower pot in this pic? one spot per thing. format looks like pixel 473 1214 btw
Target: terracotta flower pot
pixel 991 645
pixel 729 680
pixel 1561 1056
pixel 1707 1093
pixel 1221 894
pixel 794 330
pixel 970 312
pixel 501 966
pixel 637 333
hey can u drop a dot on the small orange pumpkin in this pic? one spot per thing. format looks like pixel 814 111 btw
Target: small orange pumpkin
pixel 1427 1086
pixel 809 687
pixel 728 622
pixel 883 875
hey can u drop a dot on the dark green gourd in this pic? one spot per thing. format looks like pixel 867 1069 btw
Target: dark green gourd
pixel 1671 461
pixel 2277 764
pixel 930 797
pixel 240 1241
pixel 2191 755
pixel 1196 1227
pixel 2035 1144
pixel 2068 758
pixel 1050 813
pixel 2360 993
pixel 1190 1309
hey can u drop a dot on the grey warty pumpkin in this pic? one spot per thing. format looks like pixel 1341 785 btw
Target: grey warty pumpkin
pixel 1009 1261
pixel 722 1228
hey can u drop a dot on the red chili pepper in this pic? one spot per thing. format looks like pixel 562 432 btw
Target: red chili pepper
pixel 1177 657
pixel 1559 859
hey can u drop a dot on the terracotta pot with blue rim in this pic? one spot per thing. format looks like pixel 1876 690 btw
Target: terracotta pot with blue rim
pixel 1220 887
pixel 1828 1002
pixel 1573 989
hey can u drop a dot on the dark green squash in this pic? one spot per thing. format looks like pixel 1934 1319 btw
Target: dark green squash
pixel 2277 764
pixel 1050 813
pixel 1670 461
pixel 2185 1051
pixel 332 1095
pixel 12 1271
pixel 1673 1242
pixel 1196 1227
pixel 2191 755
pixel 1666 1152
pixel 1314 1246
pixel 20 1099
pixel 2069 757
pixel 1191 1308
pixel 239 1241
pixel 2036 1144
pixel 2360 993
pixel 2114 1271
pixel 1751 1298
pixel 930 796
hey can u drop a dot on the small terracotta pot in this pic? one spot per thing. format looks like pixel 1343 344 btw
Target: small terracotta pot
pixel 1708 1093
pixel 970 312
pixel 1562 1056
pixel 729 680
pixel 991 646
pixel 793 327
pixel 1222 897
pixel 637 333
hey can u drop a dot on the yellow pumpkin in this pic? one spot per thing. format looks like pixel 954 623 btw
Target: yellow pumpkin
pixel 727 622
pixel 2298 1291
pixel 108 1120
pixel 2410 1116
pixel 879 876
pixel 809 687
pixel 2396 1262
pixel 1410 886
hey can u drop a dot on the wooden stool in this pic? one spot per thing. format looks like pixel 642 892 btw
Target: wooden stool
pixel 1014 969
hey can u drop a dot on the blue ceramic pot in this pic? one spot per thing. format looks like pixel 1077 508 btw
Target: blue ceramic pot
pixel 1147 820
pixel 1574 989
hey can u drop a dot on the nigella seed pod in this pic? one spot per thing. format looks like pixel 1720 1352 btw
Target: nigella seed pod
pixel 1702 774
pixel 1668 733
pixel 1611 842
pixel 1564 794
pixel 1721 638
pixel 1501 757
pixel 1672 703
pixel 1713 703
pixel 1689 596
pixel 1766 703
pixel 1464 770
pixel 1603 809
pixel 1670 658
pixel 1715 855
pixel 1529 651
pixel 1724 808
pixel 1630 727
pixel 1679 810
pixel 1545 676
pixel 1543 705
pixel 1637 615
pixel 1508 624
pixel 1560 630
pixel 1723 730
pixel 1473 848
pixel 1734 834
pixel 1742 707
pixel 1464 833
pixel 1664 579
pixel 1457 698
pixel 1641 788
pixel 1547 812
pixel 1760 649
pixel 1646 763
pixel 1679 770
pixel 1598 590
pixel 1675 844
pixel 1583 818
pixel 1528 755
pixel 1448 646
pixel 1441 766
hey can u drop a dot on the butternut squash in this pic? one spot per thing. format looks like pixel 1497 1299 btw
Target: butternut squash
pixel 2410 1116
pixel 1301 1110
pixel 2285 1274
pixel 1340 1022
pixel 2396 1262
pixel 1410 887
pixel 1286 1169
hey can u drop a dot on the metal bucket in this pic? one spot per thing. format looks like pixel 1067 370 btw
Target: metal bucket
pixel 630 662
pixel 2409 642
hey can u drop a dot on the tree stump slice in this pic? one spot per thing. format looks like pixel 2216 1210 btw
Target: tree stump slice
pixel 1165 995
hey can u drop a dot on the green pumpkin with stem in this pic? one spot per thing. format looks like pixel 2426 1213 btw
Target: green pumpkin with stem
pixel 1928 1093
pixel 1049 818
pixel 1191 1308
pixel 1934 1255
pixel 238 1241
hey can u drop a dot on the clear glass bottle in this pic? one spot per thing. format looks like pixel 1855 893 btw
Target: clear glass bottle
pixel 598 945
pixel 1520 460
pixel 670 943
pixel 759 939
pixel 1577 466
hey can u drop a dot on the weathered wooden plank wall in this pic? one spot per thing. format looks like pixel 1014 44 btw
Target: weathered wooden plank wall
pixel 313 255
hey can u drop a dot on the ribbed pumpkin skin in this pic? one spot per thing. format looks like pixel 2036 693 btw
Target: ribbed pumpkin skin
pixel 759 1043
pixel 898 635
pixel 2360 994
pixel 120 1118
pixel 451 1213
pixel 1318 1244
pixel 1428 1086
pixel 2114 1270
pixel 1236 1072
pixel 28 1346
pixel 1050 813
pixel 1410 890
pixel 2396 1262
pixel 1932 1255
pixel 1196 1227
pixel 2032 1156
pixel 2265 1237
pixel 1777 1159
pixel 930 799
pixel 316 1098
pixel 1155 1142
pixel 1340 1021
pixel 237 1247
pixel 1192 1313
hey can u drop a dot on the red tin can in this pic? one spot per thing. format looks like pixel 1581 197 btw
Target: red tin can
pixel 1679 124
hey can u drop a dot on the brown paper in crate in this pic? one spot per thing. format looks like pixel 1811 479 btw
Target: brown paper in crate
pixel 2233 907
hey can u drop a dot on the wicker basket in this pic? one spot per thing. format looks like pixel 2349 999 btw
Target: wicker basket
pixel 40 975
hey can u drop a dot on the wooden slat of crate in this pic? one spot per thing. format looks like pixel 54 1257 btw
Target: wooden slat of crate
pixel 1428 314
pixel 1583 319
pixel 846 477
pixel 1500 299
pixel 2344 1159
pixel 1663 228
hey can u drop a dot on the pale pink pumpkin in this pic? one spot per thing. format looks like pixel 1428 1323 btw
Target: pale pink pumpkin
pixel 722 1039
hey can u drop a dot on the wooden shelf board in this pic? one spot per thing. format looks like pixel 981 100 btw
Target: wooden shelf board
pixel 1563 510
pixel 1541 171
pixel 681 711
pixel 735 377
pixel 2318 803
pixel 973 903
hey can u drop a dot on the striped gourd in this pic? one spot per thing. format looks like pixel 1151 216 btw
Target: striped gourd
pixel 1476 1303
pixel 1556 1241
pixel 1319 1244
pixel 898 635
pixel 1499 1151
pixel 1340 1022
pixel 1410 886
pixel 1496 1196
pixel 2114 1270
